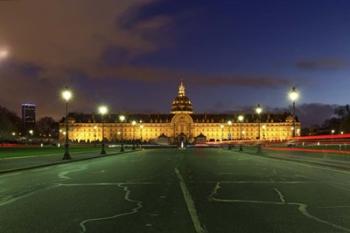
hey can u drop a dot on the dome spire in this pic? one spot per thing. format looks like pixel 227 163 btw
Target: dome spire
pixel 181 89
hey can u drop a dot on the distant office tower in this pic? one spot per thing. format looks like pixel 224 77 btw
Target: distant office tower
pixel 28 115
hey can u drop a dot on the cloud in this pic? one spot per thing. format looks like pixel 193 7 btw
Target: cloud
pixel 322 64
pixel 69 34
pixel 153 74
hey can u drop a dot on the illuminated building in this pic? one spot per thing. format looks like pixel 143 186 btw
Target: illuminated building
pixel 182 124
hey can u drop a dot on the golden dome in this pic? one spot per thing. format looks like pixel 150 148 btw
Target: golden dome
pixel 181 103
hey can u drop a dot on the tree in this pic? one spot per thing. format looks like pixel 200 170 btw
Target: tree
pixel 47 127
pixel 9 123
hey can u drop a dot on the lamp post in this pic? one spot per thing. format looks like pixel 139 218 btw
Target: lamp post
pixel 240 119
pixel 122 119
pixel 141 128
pixel 95 132
pixel 293 96
pixel 258 111
pixel 66 96
pixel 222 132
pixel 133 123
pixel 103 110
pixel 229 123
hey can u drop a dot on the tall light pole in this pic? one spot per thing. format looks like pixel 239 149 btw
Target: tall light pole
pixel 133 123
pixel 229 123
pixel 141 128
pixel 222 132
pixel 294 96
pixel 66 95
pixel 103 110
pixel 258 111
pixel 122 119
pixel 240 119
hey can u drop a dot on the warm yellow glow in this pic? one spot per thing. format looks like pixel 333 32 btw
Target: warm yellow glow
pixel 13 133
pixel 264 126
pixel 67 95
pixel 141 126
pixel 222 126
pixel 133 123
pixel 4 53
pixel 240 118
pixel 293 94
pixel 333 131
pixel 229 122
pixel 341 132
pixel 31 132
pixel 258 109
pixel 103 109
pixel 122 118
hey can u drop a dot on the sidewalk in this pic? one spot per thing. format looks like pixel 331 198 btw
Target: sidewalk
pixel 30 162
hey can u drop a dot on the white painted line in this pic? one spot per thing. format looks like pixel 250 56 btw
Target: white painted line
pixel 189 203
pixel 280 195
pixel 130 212
pixel 302 207
pixel 63 174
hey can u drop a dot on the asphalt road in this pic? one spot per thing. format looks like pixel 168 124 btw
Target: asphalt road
pixel 169 190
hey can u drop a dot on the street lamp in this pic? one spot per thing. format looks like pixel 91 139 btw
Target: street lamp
pixel 229 134
pixel 222 132
pixel 333 131
pixel 122 119
pixel 240 119
pixel 141 128
pixel 66 95
pixel 293 96
pixel 95 135
pixel 4 53
pixel 103 110
pixel 258 111
pixel 133 123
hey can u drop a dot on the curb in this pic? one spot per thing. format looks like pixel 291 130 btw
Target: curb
pixel 63 162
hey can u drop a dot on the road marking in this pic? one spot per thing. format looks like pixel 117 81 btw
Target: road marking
pixel 302 207
pixel 127 198
pixel 189 203
pixel 280 195
pixel 63 174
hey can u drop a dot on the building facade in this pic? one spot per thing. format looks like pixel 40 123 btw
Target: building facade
pixel 182 124
pixel 28 115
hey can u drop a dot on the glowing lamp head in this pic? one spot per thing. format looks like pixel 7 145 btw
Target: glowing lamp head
pixel 258 109
pixel 133 123
pixel 122 118
pixel 240 118
pixel 333 131
pixel 67 95
pixel 103 110
pixel 229 122
pixel 293 94
pixel 31 132
pixel 4 53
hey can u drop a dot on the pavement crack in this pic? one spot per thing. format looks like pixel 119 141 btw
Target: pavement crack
pixel 302 207
pixel 115 216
